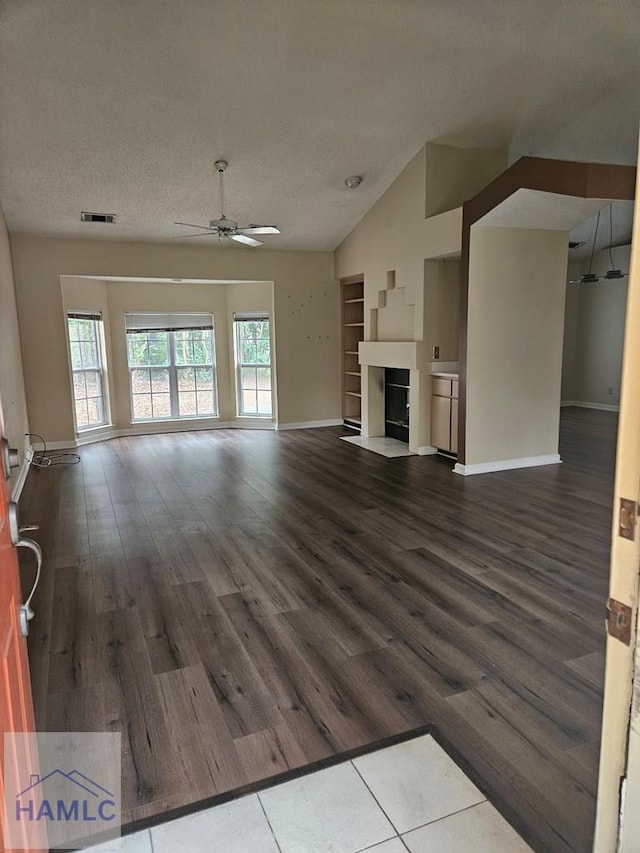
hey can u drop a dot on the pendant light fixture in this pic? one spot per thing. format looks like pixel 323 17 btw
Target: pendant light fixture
pixel 590 277
pixel 613 273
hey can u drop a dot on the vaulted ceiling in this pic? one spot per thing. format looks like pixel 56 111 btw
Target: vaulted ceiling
pixel 123 106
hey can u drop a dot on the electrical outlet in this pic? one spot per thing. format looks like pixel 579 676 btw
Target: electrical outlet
pixel 436 353
pixel 610 390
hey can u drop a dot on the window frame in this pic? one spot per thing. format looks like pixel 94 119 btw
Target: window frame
pixel 251 317
pixel 173 370
pixel 96 318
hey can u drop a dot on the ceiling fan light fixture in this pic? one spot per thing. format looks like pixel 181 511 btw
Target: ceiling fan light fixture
pixel 224 228
pixel 353 182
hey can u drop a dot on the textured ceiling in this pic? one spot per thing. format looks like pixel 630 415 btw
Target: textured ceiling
pixel 122 106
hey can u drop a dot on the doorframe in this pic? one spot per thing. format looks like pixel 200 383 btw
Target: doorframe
pixel 617 828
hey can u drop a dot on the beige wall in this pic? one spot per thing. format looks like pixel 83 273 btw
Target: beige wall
pixel 406 280
pixel 594 333
pixel 517 280
pixel 454 175
pixel 12 392
pixel 306 305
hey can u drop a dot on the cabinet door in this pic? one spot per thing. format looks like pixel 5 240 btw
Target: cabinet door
pixel 441 422
pixel 454 426
pixel 441 386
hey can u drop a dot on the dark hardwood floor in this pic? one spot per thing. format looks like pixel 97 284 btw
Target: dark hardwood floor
pixel 241 603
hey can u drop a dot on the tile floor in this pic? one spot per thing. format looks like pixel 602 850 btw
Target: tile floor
pixel 383 445
pixel 409 797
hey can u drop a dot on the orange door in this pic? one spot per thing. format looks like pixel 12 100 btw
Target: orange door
pixel 16 703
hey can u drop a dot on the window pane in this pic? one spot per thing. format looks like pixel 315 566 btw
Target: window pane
pixel 92 381
pixel 159 380
pixel 186 379
pixel 263 354
pixel 76 358
pixel 205 403
pixel 140 381
pixel 158 348
pixel 248 351
pixel 264 402
pixel 137 349
pixel 93 412
pixel 161 404
pixel 249 403
pixel 187 404
pixel 82 417
pixel 184 349
pixel 264 378
pixel 248 377
pixel 204 378
pixel 79 389
pixel 142 406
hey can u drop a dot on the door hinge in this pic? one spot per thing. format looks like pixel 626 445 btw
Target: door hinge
pixel 627 519
pixel 619 621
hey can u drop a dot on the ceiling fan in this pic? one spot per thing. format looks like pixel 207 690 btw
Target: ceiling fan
pixel 224 228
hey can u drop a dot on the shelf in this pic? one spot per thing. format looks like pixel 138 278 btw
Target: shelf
pixel 352 335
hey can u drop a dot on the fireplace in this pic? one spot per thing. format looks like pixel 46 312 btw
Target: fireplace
pixel 396 403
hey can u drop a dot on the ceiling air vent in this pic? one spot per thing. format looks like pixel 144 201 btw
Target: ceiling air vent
pixel 85 216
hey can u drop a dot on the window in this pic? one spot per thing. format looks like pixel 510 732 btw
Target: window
pixel 253 365
pixel 171 366
pixel 85 347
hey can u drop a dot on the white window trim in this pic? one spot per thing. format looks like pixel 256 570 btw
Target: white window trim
pixel 239 317
pixel 96 316
pixel 173 368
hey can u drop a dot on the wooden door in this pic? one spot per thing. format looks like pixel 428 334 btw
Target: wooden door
pixel 16 703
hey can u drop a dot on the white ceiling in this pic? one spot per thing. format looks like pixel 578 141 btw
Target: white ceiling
pixel 121 106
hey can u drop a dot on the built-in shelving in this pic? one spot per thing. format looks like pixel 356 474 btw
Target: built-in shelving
pixel 352 335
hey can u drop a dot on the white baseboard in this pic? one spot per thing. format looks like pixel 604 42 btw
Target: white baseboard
pixel 55 445
pixel 186 426
pixel 506 464
pixel 310 424
pixel 603 407
pixel 427 450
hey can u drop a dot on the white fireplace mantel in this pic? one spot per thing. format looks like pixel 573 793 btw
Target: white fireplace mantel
pixel 403 354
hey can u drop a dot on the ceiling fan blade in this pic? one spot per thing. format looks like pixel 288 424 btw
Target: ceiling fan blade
pixel 191 225
pixel 193 236
pixel 259 229
pixel 248 241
